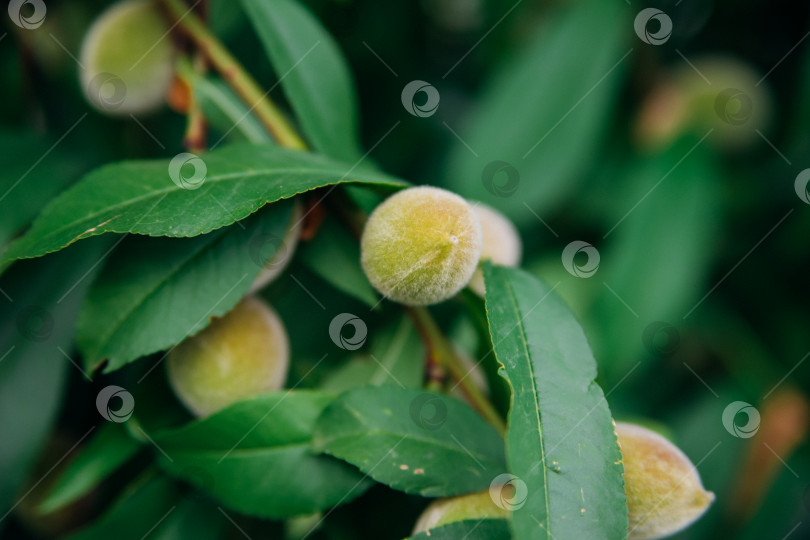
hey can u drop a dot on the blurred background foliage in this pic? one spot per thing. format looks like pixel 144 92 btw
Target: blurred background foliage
pixel 700 297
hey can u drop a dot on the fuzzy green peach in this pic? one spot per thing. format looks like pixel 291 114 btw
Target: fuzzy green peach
pixel 421 245
pixel 500 243
pixel 730 112
pixel 127 59
pixel 663 489
pixel 279 261
pixel 238 356
pixel 445 511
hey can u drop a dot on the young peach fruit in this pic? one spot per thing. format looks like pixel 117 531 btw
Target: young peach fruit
pixel 663 488
pixel 127 59
pixel 445 511
pixel 421 245
pixel 735 107
pixel 240 355
pixel 501 242
pixel 279 261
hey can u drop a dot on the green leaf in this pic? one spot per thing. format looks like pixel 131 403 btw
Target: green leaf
pixel 657 258
pixel 313 73
pixel 40 301
pixel 395 356
pixel 110 447
pixel 561 441
pixel 255 457
pixel 413 441
pixel 334 254
pixel 225 112
pixel 554 110
pixel 469 529
pixel 141 197
pixel 154 292
pixel 137 513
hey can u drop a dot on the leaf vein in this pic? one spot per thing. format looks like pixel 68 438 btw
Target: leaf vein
pixel 524 342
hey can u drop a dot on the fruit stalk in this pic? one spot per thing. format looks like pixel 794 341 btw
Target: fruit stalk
pixel 233 72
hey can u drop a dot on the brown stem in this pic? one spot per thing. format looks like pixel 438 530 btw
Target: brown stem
pixel 314 214
pixel 195 138
pixel 234 74
pixel 434 371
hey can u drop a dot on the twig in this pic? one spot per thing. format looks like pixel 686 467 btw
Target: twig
pixel 234 74
pixel 195 139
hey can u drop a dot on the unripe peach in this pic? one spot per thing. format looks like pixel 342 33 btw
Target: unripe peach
pixel 500 242
pixel 127 59
pixel 284 253
pixel 421 245
pixel 240 355
pixel 445 511
pixel 663 488
pixel 716 93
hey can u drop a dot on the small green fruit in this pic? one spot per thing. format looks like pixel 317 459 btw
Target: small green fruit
pixel 421 246
pixel 501 243
pixel 127 59
pixel 445 511
pixel 279 261
pixel 664 492
pixel 240 355
pixel 715 93
pixel 301 527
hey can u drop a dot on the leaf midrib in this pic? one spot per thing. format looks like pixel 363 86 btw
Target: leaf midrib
pixel 241 451
pixel 429 442
pixel 175 189
pixel 524 343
